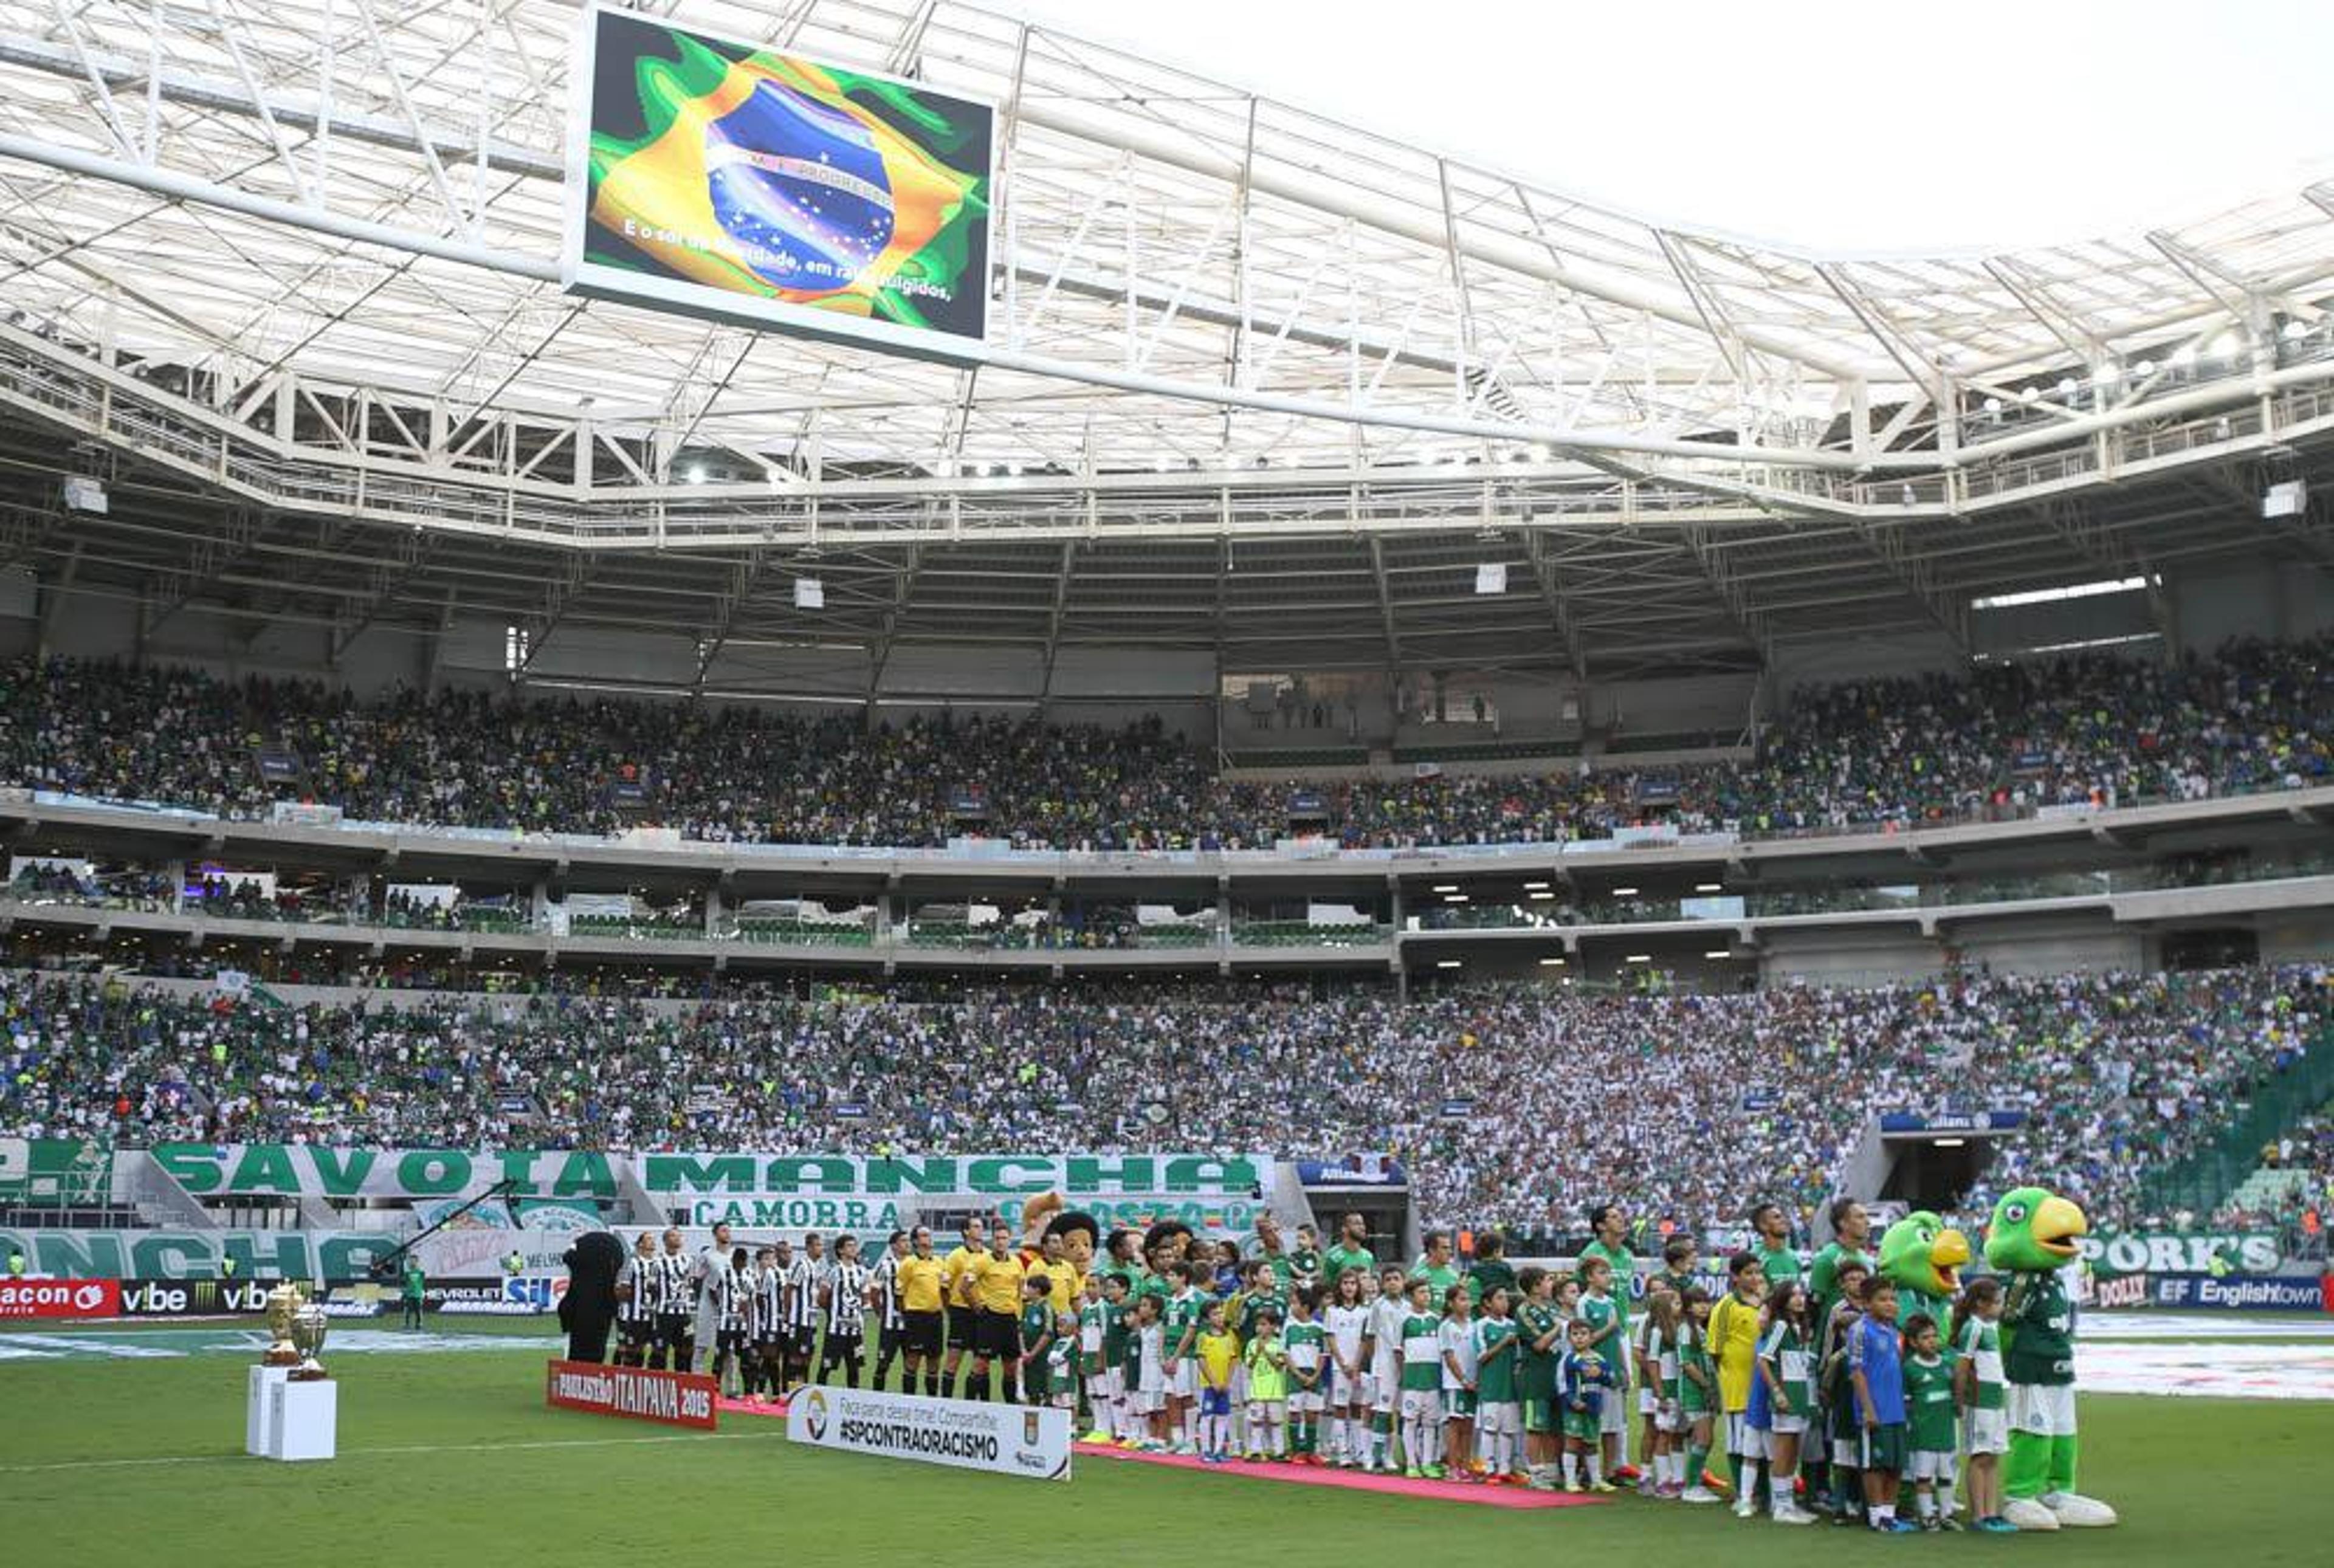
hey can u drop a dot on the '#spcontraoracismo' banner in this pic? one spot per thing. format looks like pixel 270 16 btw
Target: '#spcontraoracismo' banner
pixel 968 1435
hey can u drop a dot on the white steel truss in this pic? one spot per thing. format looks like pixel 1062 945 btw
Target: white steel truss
pixel 327 233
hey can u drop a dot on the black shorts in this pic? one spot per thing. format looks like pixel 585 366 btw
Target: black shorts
pixel 922 1334
pixel 635 1331
pixel 997 1335
pixel 891 1339
pixel 802 1341
pixel 730 1340
pixel 963 1323
pixel 839 1347
pixel 674 1329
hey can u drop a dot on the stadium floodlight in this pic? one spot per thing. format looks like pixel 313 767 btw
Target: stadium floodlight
pixel 1624 893
pixel 1994 405
pixel 83 493
pixel 1534 887
pixel 1446 963
pixel 1454 897
pixel 2144 369
pixel 1445 888
pixel 1718 953
pixel 1492 577
pixel 1710 886
pixel 2294 331
pixel 2065 387
pixel 810 594
pixel 1638 958
pixel 2287 498
pixel 696 474
pixel 2224 346
pixel 1014 468
pixel 1551 962
pixel 2105 375
pixel 1542 896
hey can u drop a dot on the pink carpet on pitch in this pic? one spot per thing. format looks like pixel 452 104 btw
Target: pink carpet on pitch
pixel 730 1407
pixel 1356 1480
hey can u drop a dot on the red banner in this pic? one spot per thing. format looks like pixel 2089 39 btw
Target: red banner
pixel 59 1298
pixel 642 1393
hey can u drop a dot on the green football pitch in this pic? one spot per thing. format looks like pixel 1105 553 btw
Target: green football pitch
pixel 123 1446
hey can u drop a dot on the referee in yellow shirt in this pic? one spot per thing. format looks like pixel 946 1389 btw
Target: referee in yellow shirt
pixel 957 1286
pixel 919 1281
pixel 995 1279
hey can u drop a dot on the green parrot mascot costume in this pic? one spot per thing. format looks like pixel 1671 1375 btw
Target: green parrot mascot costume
pixel 2030 1239
pixel 1923 1256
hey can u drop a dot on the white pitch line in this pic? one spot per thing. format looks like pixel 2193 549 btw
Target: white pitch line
pixel 417 1448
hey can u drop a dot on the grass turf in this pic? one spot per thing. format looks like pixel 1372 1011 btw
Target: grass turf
pixel 445 1457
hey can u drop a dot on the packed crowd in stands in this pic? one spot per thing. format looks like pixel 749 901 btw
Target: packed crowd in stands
pixel 1510 1107
pixel 1999 738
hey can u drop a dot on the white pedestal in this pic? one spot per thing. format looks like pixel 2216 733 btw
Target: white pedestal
pixel 259 1410
pixel 307 1419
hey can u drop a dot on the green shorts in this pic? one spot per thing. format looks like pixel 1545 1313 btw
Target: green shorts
pixel 1539 1416
pixel 1882 1448
pixel 1460 1402
pixel 1583 1424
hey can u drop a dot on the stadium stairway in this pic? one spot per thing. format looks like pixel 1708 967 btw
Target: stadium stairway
pixel 2208 1179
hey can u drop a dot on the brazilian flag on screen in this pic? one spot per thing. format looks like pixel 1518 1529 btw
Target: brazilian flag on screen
pixel 768 175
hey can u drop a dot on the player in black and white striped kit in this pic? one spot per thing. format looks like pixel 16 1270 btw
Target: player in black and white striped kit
pixel 884 1297
pixel 804 1275
pixel 730 1284
pixel 635 1319
pixel 844 1297
pixel 669 1302
pixel 767 1364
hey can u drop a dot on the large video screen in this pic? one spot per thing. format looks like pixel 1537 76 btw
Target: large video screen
pixel 745 182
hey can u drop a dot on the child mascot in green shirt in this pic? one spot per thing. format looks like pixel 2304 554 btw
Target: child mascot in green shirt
pixel 2030 1241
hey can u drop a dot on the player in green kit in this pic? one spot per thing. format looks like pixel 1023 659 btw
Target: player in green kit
pixel 1498 1414
pixel 1851 1232
pixel 1350 1251
pixel 1038 1333
pixel 1540 1330
pixel 1612 1245
pixel 1929 1422
pixel 1983 1395
pixel 1609 1329
pixel 1697 1390
pixel 1305 1262
pixel 1421 1384
pixel 1305 1343
pixel 1096 1313
pixel 1771 1244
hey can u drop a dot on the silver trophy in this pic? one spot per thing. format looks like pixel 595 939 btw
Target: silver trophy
pixel 308 1325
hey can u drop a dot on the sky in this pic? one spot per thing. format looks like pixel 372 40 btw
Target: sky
pixel 1837 128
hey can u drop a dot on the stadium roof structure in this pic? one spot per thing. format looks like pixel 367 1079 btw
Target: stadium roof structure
pixel 287 276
